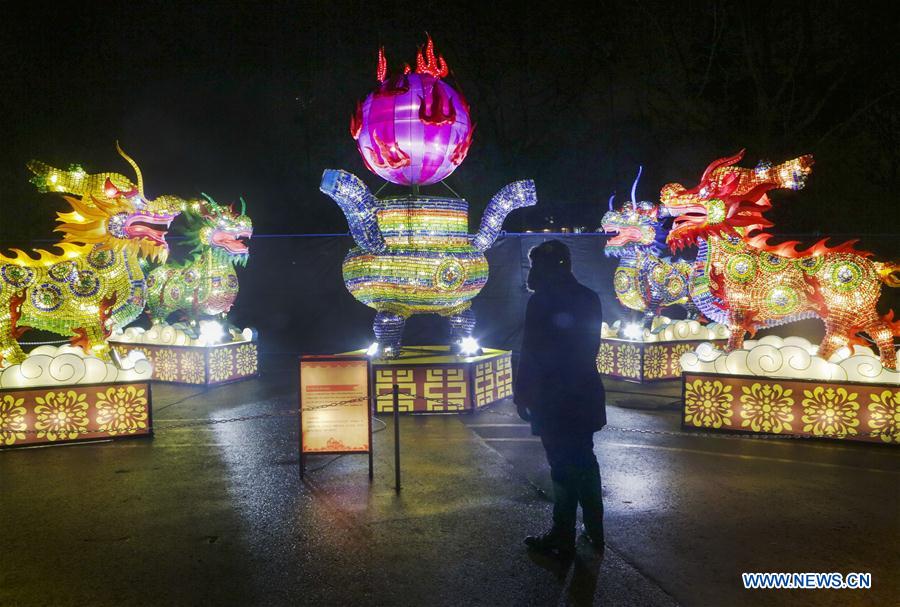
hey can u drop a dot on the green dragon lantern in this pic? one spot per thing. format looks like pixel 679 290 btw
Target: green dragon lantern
pixel 94 284
pixel 414 254
pixel 206 284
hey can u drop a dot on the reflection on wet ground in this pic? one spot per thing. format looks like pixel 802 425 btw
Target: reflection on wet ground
pixel 216 513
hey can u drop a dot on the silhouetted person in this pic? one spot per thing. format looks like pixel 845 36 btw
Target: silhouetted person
pixel 559 391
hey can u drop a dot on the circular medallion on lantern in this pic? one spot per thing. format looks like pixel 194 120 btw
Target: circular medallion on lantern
pixel 63 271
pixel 622 281
pixel 414 128
pixel 450 275
pixel 741 268
pixel 46 297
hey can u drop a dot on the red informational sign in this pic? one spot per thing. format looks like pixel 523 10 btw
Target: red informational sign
pixel 335 411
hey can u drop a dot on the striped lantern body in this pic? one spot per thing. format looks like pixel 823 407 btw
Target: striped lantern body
pixel 429 265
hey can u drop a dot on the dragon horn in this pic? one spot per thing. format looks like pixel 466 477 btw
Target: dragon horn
pixel 213 203
pixel 243 206
pixel 634 186
pixel 612 197
pixel 137 169
pixel 727 161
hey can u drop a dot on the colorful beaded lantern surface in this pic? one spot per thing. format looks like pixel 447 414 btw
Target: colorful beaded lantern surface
pixel 94 284
pixel 414 254
pixel 744 282
pixel 414 128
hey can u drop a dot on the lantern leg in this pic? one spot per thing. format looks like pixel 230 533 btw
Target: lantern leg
pixel 836 337
pixel 693 313
pixel 462 325
pixel 388 329
pixel 10 351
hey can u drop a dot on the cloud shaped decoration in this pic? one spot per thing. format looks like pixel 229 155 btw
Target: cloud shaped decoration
pixel 68 365
pixel 790 357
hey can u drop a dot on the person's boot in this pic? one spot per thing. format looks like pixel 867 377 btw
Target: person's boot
pixel 560 540
pixel 590 497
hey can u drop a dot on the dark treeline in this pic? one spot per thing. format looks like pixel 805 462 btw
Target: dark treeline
pixel 254 100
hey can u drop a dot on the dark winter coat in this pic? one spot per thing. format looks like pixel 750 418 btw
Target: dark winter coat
pixel 557 377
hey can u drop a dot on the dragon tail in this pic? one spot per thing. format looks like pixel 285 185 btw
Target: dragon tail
pixel 889 273
pixel 68 181
pixel 50 179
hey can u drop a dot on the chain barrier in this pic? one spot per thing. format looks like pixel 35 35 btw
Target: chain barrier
pixel 723 434
pixel 52 342
pixel 745 435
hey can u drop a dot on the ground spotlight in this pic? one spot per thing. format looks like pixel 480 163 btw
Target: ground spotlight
pixel 468 346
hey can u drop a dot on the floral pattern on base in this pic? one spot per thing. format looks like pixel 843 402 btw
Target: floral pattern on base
pixel 122 410
pixel 221 364
pixel 61 415
pixel 12 419
pixel 884 416
pixel 36 416
pixel 199 364
pixel 767 408
pixel 830 412
pixel 803 408
pixel 707 404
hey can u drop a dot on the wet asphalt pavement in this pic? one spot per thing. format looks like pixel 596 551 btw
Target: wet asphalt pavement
pixel 215 514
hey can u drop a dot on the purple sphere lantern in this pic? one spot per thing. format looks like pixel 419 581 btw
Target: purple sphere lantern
pixel 414 128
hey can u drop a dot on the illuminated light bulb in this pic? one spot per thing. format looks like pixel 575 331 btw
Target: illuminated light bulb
pixel 211 332
pixel 54 178
pixel 372 350
pixel 468 346
pixel 633 331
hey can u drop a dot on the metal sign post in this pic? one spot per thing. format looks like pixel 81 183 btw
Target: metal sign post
pixel 397 438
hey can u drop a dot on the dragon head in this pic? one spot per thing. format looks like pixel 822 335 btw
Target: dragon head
pixel 637 226
pixel 109 208
pixel 220 229
pixel 119 221
pixel 729 201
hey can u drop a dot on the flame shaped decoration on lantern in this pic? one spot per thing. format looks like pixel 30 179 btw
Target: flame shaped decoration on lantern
pixel 388 156
pixel 413 128
pixel 435 67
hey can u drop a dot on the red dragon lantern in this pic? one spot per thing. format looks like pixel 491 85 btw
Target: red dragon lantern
pixel 742 281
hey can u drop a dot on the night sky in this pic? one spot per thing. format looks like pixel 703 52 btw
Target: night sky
pixel 254 100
